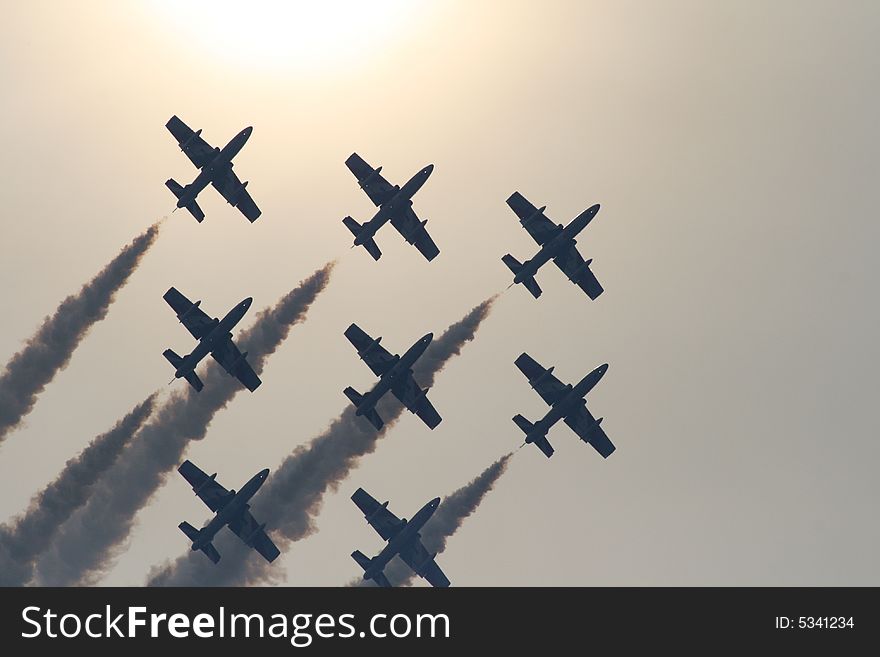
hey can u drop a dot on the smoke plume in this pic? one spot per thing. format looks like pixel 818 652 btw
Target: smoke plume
pixel 22 541
pixel 291 499
pixel 88 543
pixel 48 351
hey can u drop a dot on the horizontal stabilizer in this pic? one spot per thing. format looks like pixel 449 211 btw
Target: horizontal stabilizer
pixel 353 395
pixel 523 424
pixel 191 532
pixel 172 357
pixel 512 263
pixel 211 552
pixel 362 559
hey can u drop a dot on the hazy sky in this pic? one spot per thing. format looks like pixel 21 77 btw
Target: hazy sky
pixel 732 145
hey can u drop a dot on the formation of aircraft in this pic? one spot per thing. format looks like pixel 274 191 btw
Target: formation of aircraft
pixel 395 376
pixel 557 243
pixel 215 338
pixel 395 205
pixel 566 403
pixel 403 540
pixel 215 168
pixel 230 510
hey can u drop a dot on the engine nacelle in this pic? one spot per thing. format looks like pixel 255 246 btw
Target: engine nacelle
pixel 369 347
pixel 536 214
pixel 534 382
pixel 370 178
pixel 186 313
pixel 378 510
pixel 190 139
pixel 198 489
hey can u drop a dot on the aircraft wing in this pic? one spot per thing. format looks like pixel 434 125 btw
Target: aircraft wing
pixel 416 399
pixel 254 535
pixel 231 359
pixel 386 524
pixel 539 227
pixel 208 490
pixel 197 149
pixel 584 425
pixel 407 224
pixel 236 194
pixel 542 381
pixel 191 316
pixel 377 358
pixel 578 271
pixel 423 564
pixel 371 181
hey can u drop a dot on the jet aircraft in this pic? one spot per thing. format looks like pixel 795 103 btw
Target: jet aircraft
pixel 395 375
pixel 215 338
pixel 557 243
pixel 403 540
pixel 567 403
pixel 230 510
pixel 215 166
pixel 395 205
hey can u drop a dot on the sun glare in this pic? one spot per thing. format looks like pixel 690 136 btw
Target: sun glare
pixel 303 34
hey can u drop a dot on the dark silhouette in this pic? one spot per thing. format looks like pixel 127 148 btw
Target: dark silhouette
pixel 215 338
pixel 567 403
pixel 86 544
pixel 395 375
pixel 230 510
pixel 395 205
pixel 216 170
pixel 403 541
pixel 557 243
pixel 292 499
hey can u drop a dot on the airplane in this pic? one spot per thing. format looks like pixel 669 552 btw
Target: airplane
pixel 567 403
pixel 395 374
pixel 214 338
pixel 557 243
pixel 230 510
pixel 216 169
pixel 403 539
pixel 395 205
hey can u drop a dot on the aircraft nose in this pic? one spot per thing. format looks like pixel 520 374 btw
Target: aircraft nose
pixel 247 302
pixel 264 473
pixel 603 368
pixel 248 130
pixel 429 169
pixel 595 208
pixel 428 337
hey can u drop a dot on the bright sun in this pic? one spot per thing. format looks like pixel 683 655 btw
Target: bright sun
pixel 306 34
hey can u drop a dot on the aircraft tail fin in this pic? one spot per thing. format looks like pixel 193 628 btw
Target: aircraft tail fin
pixel 177 189
pixel 192 378
pixel 530 283
pixel 357 399
pixel 370 244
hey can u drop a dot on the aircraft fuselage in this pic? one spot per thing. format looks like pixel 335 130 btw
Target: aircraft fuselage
pixel 566 404
pixel 404 536
pixel 402 199
pixel 559 244
pixel 231 510
pixel 222 331
pixel 217 166
pixel 401 368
